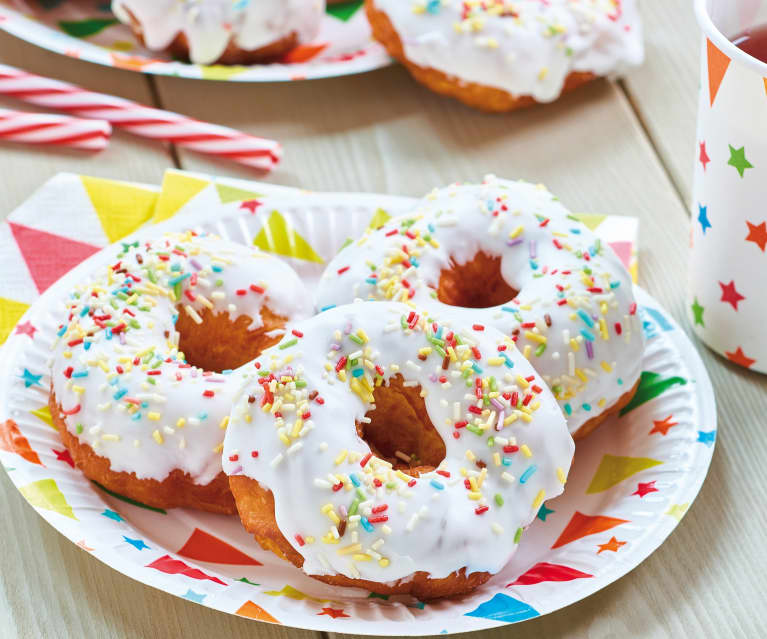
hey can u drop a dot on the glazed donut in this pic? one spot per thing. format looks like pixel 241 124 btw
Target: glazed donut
pixel 382 448
pixel 509 255
pixel 141 379
pixel 222 31
pixel 500 55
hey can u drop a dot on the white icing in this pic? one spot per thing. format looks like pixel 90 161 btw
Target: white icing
pixel 503 218
pixel 157 442
pixel 210 25
pixel 432 525
pixel 525 47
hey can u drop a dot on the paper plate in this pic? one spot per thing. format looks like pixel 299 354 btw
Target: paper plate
pixel 631 484
pixel 89 31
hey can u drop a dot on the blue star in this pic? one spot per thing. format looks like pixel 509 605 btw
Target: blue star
pixel 544 512
pixel 30 379
pixel 703 218
pixel 193 596
pixel 707 437
pixel 111 514
pixel 138 544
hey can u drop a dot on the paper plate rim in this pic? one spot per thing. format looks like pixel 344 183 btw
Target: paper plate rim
pixel 17 24
pixel 616 569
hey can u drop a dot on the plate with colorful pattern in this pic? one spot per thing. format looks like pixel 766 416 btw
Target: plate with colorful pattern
pixel 88 30
pixel 632 480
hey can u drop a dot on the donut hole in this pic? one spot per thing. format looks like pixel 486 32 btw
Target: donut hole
pixel 400 430
pixel 219 344
pixel 477 283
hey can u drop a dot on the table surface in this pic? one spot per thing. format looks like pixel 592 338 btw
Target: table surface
pixel 622 146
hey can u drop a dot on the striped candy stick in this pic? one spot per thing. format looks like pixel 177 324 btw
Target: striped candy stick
pixel 145 121
pixel 61 130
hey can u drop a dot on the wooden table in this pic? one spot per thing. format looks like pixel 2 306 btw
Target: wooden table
pixel 613 147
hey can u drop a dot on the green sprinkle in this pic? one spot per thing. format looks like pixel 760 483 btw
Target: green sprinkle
pixel 289 343
pixel 474 429
pixel 491 441
pixel 540 349
pixel 356 339
pixel 79 428
pixel 517 535
pixel 499 501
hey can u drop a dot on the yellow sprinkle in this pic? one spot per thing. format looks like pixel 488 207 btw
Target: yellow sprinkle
pixel 362 557
pixel 476 496
pixel 607 368
pixel 539 499
pixel 193 314
pixel 78 389
pixel 574 345
pixel 522 381
pixel 157 436
pixel 383 562
pixel 526 418
pixel 403 476
pixel 219 448
pixel 297 427
pixel 154 416
pixel 473 483
pixel 526 351
pixel 516 232
pixel 536 337
pixel 526 450
pixel 497 459
pixel 224 422
pixel 181 422
pixel 561 476
pixel 581 375
pixel 363 336
pixel 603 329
pixel 470 455
pixel 510 419
pixel 495 361
pixel 348 550
pixel 341 457
pixel 284 438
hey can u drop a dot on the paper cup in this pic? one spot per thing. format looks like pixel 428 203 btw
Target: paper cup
pixel 727 304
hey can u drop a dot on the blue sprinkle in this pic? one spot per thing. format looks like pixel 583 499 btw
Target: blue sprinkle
pixel 144 404
pixel 615 284
pixel 568 409
pixel 372 280
pixel 358 372
pixel 508 362
pixel 109 333
pixel 327 308
pixel 414 262
pixel 175 267
pixel 355 479
pixel 585 317
pixel 620 381
pixel 174 318
pixel 61 331
pixel 476 368
pixel 533 265
pixel 506 461
pixel 437 485
pixel 216 268
pixel 228 371
pixel 587 407
pixel 202 416
pixel 366 524
pixel 438 334
pixel 85 310
pixel 576 231
pixel 179 279
pixel 136 417
pixel 80 374
pixel 114 381
pixel 431 227
pixel 87 345
pixel 432 6
pixel 527 474
pixel 589 336
pixel 120 393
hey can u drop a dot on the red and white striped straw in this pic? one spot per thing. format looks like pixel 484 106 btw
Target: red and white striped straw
pixel 47 128
pixel 145 121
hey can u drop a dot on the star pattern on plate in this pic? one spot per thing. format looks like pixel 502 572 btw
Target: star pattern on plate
pixel 740 358
pixel 30 379
pixel 112 514
pixel 613 545
pixel 138 544
pixel 697 313
pixel 703 155
pixel 707 437
pixel 335 613
pixel 63 456
pixel 662 426
pixel 544 512
pixel 677 511
pixel 645 488
pixel 730 294
pixel 250 205
pixel 197 597
pixel 703 218
pixel 738 159
pixel 25 328
pixel 757 233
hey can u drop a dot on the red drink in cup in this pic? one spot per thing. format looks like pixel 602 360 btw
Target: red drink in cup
pixel 753 41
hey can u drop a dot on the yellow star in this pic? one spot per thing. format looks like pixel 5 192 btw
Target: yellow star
pixel 677 511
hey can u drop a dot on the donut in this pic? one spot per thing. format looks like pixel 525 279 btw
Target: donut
pixel 383 448
pixel 150 348
pixel 500 55
pixel 510 255
pixel 222 31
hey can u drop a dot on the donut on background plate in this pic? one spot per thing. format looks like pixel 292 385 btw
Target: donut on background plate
pixel 500 55
pixel 141 377
pixel 509 255
pixel 222 31
pixel 381 447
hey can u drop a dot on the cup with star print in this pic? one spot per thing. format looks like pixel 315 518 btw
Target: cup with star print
pixel 727 304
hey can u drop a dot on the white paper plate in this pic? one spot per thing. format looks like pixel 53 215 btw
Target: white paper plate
pixel 632 480
pixel 87 30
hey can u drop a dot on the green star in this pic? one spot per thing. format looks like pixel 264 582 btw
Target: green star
pixel 697 311
pixel 738 159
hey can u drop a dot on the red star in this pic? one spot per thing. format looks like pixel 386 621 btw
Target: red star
pixel 26 329
pixel 333 612
pixel 613 545
pixel 63 455
pixel 704 159
pixel 644 488
pixel 739 357
pixel 251 205
pixel 757 234
pixel 662 426
pixel 730 294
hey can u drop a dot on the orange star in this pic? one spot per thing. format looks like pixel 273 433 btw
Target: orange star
pixel 612 545
pixel 757 233
pixel 739 357
pixel 663 425
pixel 333 612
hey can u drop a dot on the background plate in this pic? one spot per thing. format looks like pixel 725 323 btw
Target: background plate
pixel 87 29
pixel 631 483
